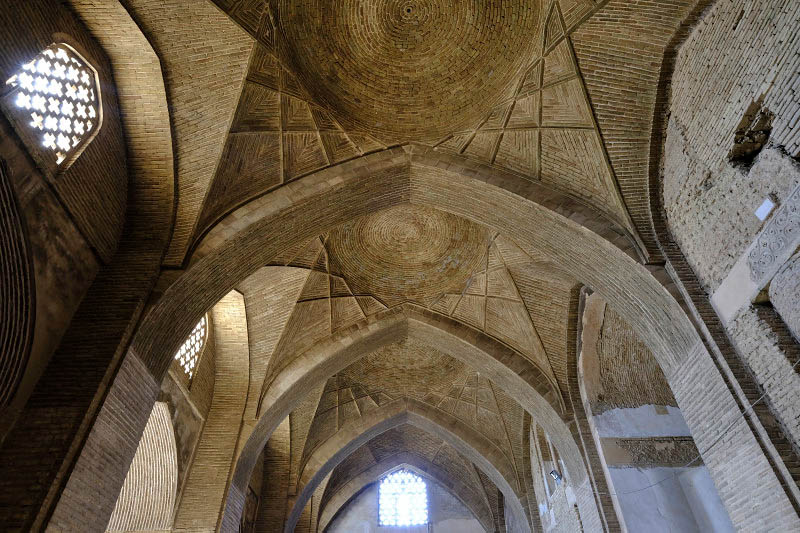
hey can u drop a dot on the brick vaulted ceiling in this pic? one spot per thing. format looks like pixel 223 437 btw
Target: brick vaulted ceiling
pixel 408 255
pixel 560 93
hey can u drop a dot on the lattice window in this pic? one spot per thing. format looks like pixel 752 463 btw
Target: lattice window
pixel 403 500
pixel 55 100
pixel 189 352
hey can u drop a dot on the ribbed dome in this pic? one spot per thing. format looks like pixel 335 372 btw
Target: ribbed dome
pixel 407 253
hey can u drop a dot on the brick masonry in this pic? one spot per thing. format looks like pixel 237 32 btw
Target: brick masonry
pixel 550 176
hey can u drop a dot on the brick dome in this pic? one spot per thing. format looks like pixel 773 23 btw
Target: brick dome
pixel 409 69
pixel 407 253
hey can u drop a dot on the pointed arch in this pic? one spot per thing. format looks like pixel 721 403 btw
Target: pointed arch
pixel 510 371
pixel 310 206
pixel 421 466
pixel 465 439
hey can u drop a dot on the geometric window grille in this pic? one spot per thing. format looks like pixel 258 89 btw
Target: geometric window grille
pixel 58 94
pixel 189 352
pixel 403 500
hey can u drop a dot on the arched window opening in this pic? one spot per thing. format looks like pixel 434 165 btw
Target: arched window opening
pixel 54 103
pixel 189 352
pixel 403 500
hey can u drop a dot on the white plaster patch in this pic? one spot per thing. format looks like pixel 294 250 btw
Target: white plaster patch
pixel 707 508
pixel 659 508
pixel 571 499
pixel 765 209
pixel 643 421
pixel 737 290
pixel 773 246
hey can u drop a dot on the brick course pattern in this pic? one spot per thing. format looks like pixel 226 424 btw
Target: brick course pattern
pixel 204 58
pixel 719 74
pixel 705 193
pixel 389 209
pixel 204 491
pixel 16 292
pixel 147 497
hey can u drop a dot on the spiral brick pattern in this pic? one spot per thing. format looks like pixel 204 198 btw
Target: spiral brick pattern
pixel 407 253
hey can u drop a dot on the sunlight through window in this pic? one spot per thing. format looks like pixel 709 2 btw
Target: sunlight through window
pixel 189 352
pixel 59 93
pixel 403 500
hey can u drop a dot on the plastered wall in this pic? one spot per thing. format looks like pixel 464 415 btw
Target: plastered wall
pixel 740 60
pixel 446 514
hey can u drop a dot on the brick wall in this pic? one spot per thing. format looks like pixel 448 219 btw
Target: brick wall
pixel 739 60
pixel 619 369
pixel 88 358
pixel 74 217
pixel 204 57
pixel 147 497
pixel 205 488
pixel 16 294
pixel 738 54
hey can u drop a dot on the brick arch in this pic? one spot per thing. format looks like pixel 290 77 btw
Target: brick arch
pixel 17 301
pixel 401 160
pixel 140 84
pixel 310 206
pixel 93 346
pixel 536 378
pixel 216 447
pixel 465 439
pixel 580 427
pixel 508 370
pixel 773 438
pixel 414 462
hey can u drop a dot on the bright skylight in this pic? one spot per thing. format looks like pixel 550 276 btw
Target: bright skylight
pixel 403 500
pixel 57 90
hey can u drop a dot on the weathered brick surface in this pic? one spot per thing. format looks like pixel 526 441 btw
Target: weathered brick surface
pixel 532 175
pixel 717 78
pixel 636 295
pixel 771 356
pixel 618 369
pixel 735 56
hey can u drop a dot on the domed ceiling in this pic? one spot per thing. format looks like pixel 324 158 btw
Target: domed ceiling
pixel 408 69
pixel 497 83
pixel 407 369
pixel 407 253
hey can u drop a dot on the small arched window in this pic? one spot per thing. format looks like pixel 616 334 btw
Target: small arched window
pixel 54 104
pixel 403 500
pixel 189 352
